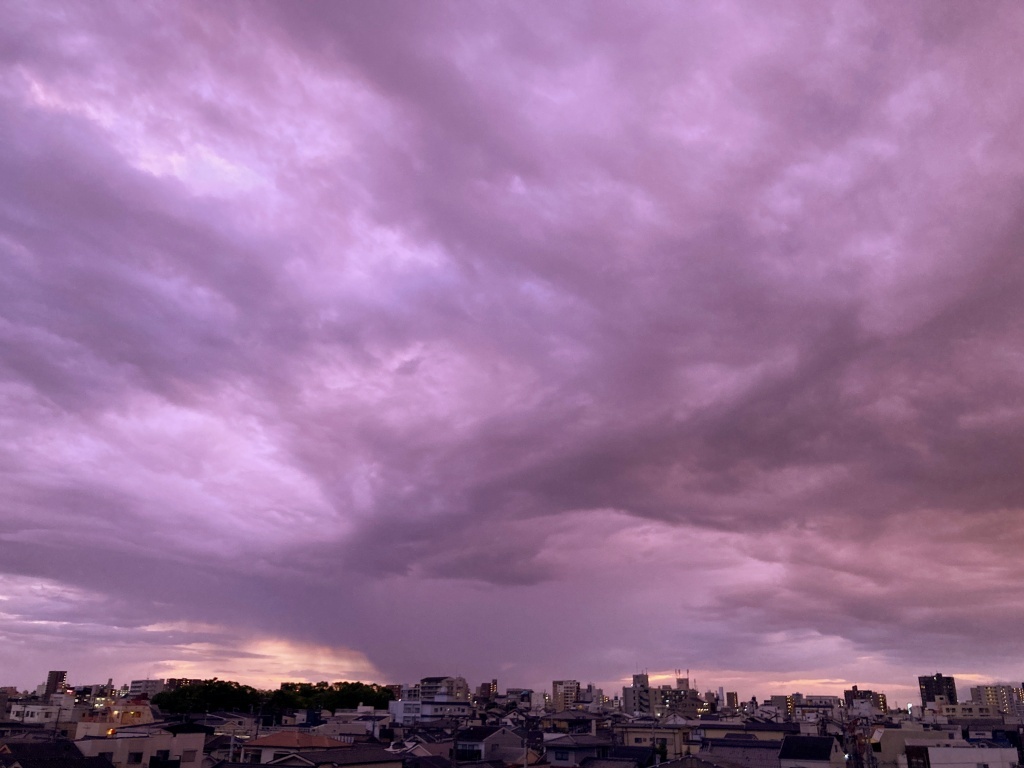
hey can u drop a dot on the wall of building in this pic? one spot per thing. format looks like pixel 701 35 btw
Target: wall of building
pixel 135 751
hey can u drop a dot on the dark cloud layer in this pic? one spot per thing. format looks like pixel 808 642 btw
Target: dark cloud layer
pixel 525 340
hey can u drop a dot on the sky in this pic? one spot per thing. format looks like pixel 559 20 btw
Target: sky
pixel 528 341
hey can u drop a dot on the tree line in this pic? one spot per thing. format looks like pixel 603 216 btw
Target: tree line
pixel 226 695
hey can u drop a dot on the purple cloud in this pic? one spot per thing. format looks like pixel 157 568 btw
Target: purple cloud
pixel 576 338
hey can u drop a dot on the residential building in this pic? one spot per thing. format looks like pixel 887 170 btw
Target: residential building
pixel 145 688
pixel 357 756
pixel 593 698
pixel 570 751
pixel 888 745
pixel 1003 698
pixel 865 700
pixel 173 683
pixel 741 752
pixel 431 688
pixel 267 749
pixel 565 694
pixel 811 752
pixel 364 721
pixel 46 754
pixel 669 741
pixel 932 686
pixel 572 721
pixel 484 742
pixel 520 698
pixel 773 732
pixel 138 748
pixel 404 711
pixel 964 755
pixel 121 714
pixel 786 704
pixel 56 682
pixel 636 698
pixel 432 698
pixel 824 701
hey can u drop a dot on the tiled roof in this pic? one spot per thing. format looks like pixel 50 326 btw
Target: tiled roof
pixel 357 755
pixel 578 741
pixel 709 745
pixel 295 740
pixel 813 748
pixel 477 732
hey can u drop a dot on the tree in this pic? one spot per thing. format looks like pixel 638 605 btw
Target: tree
pixel 209 696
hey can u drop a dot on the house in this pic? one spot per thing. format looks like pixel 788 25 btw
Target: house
pixel 514 719
pixel 571 721
pixel 58 754
pixel 569 751
pixel 689 761
pixel 355 724
pixel 775 732
pixel 356 756
pixel 742 751
pixel 267 749
pixel 228 723
pixel 488 742
pixel 669 740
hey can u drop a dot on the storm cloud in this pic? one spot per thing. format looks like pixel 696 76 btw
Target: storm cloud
pixel 521 340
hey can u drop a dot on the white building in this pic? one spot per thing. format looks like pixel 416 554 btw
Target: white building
pixel 147 688
pixel 956 755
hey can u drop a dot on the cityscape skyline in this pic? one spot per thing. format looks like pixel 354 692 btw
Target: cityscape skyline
pixel 613 689
pixel 359 341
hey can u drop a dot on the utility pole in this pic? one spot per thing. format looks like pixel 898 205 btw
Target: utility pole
pixel 455 744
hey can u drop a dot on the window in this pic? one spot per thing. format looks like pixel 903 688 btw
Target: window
pixel 561 755
pixel 163 754
pixel 108 756
pixel 188 756
pixel 134 758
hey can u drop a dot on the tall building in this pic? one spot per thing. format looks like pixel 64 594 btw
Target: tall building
pixel 591 695
pixel 787 704
pixel 937 685
pixel 432 698
pixel 564 694
pixel 636 698
pixel 876 700
pixel 56 681
pixel 487 691
pixel 1004 698
pixel 434 688
pixel 522 698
